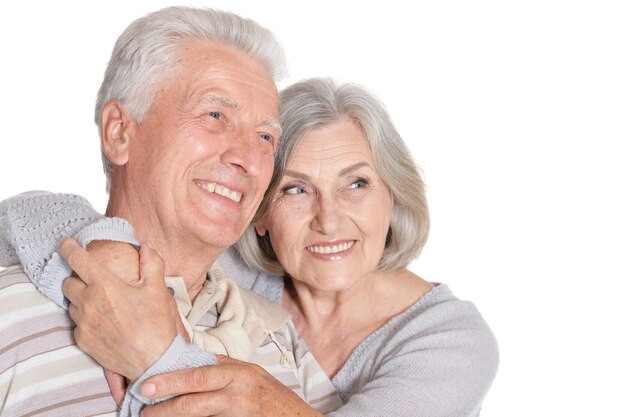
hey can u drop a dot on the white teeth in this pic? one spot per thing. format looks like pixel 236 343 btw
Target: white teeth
pixel 221 190
pixel 331 249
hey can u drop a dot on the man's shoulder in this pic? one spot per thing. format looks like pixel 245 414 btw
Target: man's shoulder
pixel 13 275
pixel 43 367
pixel 10 270
pixel 23 302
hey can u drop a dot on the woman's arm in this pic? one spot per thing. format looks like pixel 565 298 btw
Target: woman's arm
pixel 141 316
pixel 429 390
pixel 229 389
pixel 32 226
pixel 442 363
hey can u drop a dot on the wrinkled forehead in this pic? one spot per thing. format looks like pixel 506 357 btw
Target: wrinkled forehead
pixel 209 71
pixel 333 146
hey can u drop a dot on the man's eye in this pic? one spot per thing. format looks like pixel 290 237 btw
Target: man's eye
pixel 216 115
pixel 266 137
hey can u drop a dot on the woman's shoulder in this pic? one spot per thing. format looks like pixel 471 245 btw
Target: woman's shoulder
pixel 440 318
pixel 438 326
pixel 439 348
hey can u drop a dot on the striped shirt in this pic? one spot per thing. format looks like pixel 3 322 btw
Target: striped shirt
pixel 44 373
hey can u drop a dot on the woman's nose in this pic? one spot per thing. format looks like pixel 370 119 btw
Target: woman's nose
pixel 327 216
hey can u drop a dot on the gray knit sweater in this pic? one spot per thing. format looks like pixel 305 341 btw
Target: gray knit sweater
pixel 438 358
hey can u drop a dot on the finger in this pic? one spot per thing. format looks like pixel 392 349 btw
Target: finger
pixel 204 379
pixel 72 288
pixel 73 311
pixel 180 327
pixel 222 359
pixel 227 360
pixel 80 261
pixel 151 266
pixel 117 385
pixel 67 245
pixel 191 405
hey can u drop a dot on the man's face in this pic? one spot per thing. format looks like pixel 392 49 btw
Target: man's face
pixel 202 159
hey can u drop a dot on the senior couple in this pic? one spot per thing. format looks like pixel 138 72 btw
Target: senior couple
pixel 313 312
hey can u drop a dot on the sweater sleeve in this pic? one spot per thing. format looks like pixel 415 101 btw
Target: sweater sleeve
pixel 32 226
pixel 442 369
pixel 180 355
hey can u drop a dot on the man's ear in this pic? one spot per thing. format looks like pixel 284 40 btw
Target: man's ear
pixel 117 132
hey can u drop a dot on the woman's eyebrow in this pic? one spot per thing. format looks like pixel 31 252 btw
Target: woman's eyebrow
pixel 346 170
pixel 353 167
pixel 299 175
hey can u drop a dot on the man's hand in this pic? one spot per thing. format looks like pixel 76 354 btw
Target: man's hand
pixel 230 389
pixel 124 327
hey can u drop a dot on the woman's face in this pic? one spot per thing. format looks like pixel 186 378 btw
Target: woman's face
pixel 329 219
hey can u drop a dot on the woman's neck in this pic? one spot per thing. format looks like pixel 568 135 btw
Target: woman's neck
pixel 333 324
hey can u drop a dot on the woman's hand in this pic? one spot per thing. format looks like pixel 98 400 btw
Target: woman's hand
pixel 120 258
pixel 117 385
pixel 230 389
pixel 123 260
pixel 124 327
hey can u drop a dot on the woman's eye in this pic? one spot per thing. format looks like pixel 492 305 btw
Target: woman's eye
pixel 216 115
pixel 294 190
pixel 360 183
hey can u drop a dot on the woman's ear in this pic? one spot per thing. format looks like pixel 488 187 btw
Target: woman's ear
pixel 117 132
pixel 260 228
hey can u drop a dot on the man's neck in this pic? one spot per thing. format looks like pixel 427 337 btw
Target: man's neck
pixel 183 257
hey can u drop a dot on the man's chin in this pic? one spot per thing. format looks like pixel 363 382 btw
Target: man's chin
pixel 222 238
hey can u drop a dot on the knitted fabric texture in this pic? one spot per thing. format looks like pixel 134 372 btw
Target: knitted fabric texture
pixel 33 224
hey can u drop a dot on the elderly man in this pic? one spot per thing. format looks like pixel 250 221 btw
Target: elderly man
pixel 187 115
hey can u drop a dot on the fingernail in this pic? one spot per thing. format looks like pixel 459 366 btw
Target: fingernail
pixel 148 389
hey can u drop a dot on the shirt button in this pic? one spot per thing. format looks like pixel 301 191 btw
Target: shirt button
pixel 171 290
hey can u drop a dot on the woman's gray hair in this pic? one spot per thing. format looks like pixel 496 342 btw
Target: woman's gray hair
pixel 145 55
pixel 312 104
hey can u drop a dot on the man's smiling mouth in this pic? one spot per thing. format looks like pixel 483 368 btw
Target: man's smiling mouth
pixel 221 190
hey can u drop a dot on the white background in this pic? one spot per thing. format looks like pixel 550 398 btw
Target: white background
pixel 516 112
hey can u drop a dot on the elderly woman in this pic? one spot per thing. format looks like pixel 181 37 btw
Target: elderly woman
pixel 344 215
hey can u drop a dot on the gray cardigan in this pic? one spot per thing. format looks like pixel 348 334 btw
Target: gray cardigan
pixel 438 358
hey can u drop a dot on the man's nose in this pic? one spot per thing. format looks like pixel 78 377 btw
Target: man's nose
pixel 244 152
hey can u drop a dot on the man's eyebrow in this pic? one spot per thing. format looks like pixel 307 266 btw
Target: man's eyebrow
pixel 274 124
pixel 212 98
pixel 227 102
